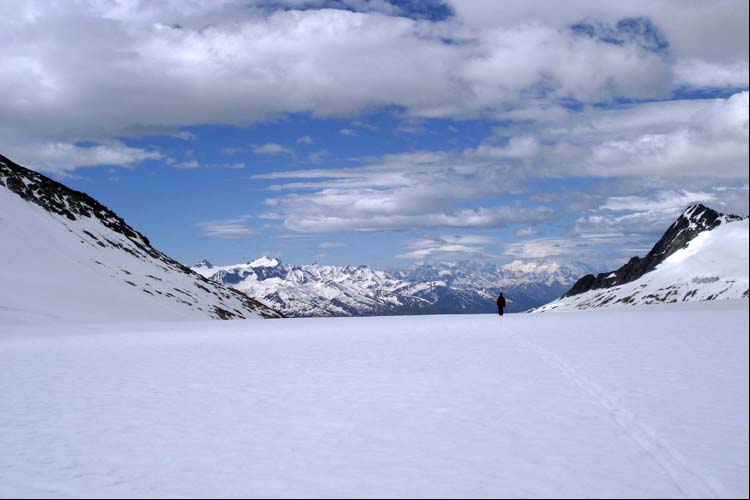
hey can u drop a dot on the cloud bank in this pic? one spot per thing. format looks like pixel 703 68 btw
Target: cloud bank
pixel 95 70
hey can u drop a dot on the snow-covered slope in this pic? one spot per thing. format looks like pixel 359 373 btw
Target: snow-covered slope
pixel 655 405
pixel 693 221
pixel 64 256
pixel 462 287
pixel 713 265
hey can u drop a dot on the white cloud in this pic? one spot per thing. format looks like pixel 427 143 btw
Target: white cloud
pixel 525 232
pixel 317 155
pixel 348 131
pixel 332 244
pixel 447 248
pixel 597 250
pixel 271 148
pixel 711 30
pixel 61 157
pixel 662 200
pixel 516 148
pixel 321 218
pixel 96 69
pixel 698 73
pixel 651 222
pixel 235 228
pixel 305 139
pixel 191 164
pixel 418 189
pixel 682 143
pixel 184 136
pixel 697 138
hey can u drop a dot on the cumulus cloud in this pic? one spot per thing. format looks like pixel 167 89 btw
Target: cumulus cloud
pixel 715 30
pixel 697 138
pixel 95 69
pixel 698 73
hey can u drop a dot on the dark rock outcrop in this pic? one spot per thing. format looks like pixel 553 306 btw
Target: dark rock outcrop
pixel 73 205
pixel 693 221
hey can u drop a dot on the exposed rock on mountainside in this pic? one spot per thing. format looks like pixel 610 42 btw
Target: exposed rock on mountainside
pixel 694 220
pixel 67 256
pixel 703 256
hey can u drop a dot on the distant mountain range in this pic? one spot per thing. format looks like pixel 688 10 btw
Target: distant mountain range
pixel 65 256
pixel 703 255
pixel 451 288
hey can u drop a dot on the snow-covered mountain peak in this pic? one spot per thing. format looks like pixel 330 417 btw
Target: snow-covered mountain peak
pixel 703 255
pixel 698 217
pixel 694 220
pixel 204 264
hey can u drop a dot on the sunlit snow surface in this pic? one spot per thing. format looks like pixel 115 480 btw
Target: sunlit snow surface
pixel 53 269
pixel 715 265
pixel 646 401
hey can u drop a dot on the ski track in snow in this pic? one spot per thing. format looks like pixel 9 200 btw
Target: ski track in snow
pixel 690 483
pixel 432 406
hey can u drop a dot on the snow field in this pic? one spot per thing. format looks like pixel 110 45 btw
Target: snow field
pixel 644 402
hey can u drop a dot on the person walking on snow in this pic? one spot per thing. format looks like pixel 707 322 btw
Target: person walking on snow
pixel 500 304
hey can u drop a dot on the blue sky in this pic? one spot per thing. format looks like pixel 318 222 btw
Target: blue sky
pixel 384 133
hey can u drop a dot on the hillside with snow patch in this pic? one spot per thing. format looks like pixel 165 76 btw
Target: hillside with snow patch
pixel 64 256
pixel 714 265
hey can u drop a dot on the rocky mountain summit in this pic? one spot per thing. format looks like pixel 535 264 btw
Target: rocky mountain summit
pixel 694 220
pixel 703 255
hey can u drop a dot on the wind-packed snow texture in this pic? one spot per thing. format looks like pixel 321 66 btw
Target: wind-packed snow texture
pixel 714 265
pixel 635 402
pixel 65 257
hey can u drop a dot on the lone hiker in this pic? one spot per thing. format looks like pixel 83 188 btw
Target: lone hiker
pixel 500 304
